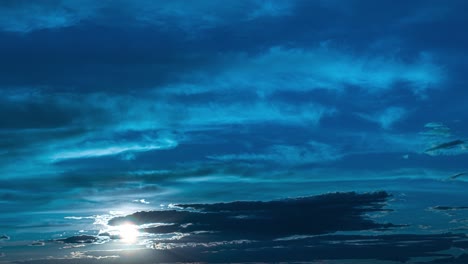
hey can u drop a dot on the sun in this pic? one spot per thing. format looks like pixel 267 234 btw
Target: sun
pixel 128 233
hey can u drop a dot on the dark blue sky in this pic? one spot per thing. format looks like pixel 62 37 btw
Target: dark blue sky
pixel 108 108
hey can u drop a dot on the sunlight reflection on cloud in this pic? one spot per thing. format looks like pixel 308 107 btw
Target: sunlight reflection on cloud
pixel 112 150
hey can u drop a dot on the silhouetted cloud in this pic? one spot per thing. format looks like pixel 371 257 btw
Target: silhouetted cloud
pixel 398 248
pixel 267 220
pixel 296 229
pixel 37 244
pixel 82 239
pixel 449 208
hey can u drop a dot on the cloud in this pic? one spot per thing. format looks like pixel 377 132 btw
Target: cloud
pixel 206 14
pixel 399 248
pixel 162 111
pixel 261 112
pixel 114 148
pixel 82 239
pixel 78 217
pixel 4 237
pixel 331 248
pixel 77 255
pixel 35 122
pixel 439 140
pixel 265 8
pixel 448 208
pixel 386 118
pixel 54 126
pixel 304 69
pixel 25 16
pixel 267 220
pixel 294 229
pixel 143 201
pixel 436 130
pixel 428 14
pixel 37 244
pixel 312 152
pixel 39 111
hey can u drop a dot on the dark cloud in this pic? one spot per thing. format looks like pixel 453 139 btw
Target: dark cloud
pixel 463 258
pixel 120 57
pixel 388 160
pixel 37 244
pixel 82 239
pixel 34 115
pixel 281 230
pixel 448 208
pixel 266 220
pixel 398 248
pixel 34 122
pixel 32 112
pixel 4 237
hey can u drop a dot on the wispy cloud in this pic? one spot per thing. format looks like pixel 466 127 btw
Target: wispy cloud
pixel 21 16
pixel 113 149
pixel 331 248
pixel 176 113
pixel 24 16
pixel 313 152
pixel 265 8
pixel 386 118
pixel 304 69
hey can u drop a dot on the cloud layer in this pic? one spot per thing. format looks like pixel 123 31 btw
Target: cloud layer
pixel 130 105
pixel 299 229
pixel 267 220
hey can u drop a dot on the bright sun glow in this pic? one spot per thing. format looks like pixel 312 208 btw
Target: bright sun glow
pixel 128 233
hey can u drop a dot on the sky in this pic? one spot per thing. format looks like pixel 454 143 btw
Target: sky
pixel 324 131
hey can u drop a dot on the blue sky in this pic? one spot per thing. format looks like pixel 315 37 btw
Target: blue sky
pixel 110 108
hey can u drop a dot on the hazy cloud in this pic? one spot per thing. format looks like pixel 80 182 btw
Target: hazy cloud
pixel 301 69
pixel 386 118
pixel 313 152
pixel 24 16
